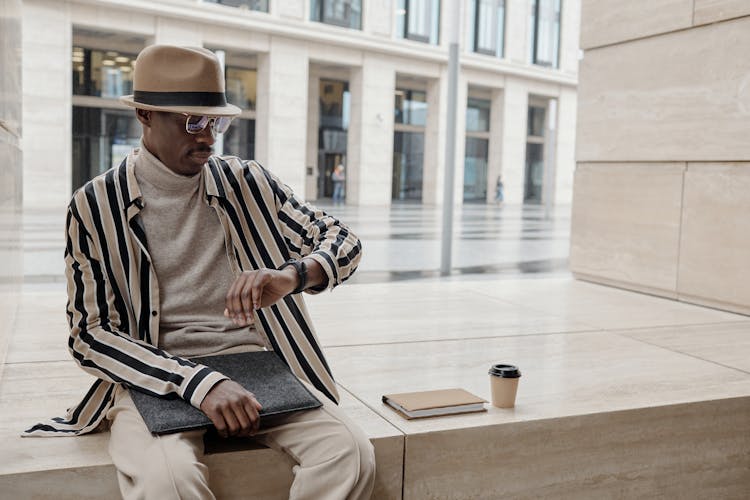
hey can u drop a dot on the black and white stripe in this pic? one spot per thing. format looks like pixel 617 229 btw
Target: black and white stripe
pixel 113 294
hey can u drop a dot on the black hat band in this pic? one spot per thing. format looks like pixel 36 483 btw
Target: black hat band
pixel 209 99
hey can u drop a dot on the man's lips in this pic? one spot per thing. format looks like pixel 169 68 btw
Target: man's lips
pixel 201 153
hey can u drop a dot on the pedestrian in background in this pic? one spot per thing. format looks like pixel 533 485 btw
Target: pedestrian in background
pixel 338 177
pixel 499 192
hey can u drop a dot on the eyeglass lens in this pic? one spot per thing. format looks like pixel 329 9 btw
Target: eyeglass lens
pixel 196 124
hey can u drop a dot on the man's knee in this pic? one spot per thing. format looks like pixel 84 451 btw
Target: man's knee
pixel 357 456
pixel 165 471
pixel 178 475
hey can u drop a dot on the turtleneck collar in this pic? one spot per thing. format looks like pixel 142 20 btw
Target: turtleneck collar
pixel 151 170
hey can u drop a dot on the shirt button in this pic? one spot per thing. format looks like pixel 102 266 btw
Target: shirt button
pixel 154 313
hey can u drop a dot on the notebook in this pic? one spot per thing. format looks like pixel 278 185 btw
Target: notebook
pixel 261 372
pixel 434 403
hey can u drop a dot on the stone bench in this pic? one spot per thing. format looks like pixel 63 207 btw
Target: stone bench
pixel 80 468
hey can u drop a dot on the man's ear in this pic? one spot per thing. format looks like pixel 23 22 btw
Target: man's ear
pixel 144 116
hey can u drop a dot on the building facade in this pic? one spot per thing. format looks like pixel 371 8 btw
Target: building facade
pixel 361 83
pixel 663 173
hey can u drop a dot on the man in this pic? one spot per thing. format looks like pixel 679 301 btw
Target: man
pixel 177 253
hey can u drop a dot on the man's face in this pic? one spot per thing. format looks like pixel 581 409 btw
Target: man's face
pixel 165 136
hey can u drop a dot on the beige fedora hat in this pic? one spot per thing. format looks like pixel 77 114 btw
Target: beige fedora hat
pixel 179 80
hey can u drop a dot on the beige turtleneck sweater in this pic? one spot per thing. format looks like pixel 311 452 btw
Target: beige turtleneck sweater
pixel 187 248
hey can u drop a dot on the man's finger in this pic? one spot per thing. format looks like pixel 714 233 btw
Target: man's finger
pixel 244 421
pixel 252 409
pixel 246 297
pixel 228 301
pixel 218 420
pixel 233 427
pixel 257 289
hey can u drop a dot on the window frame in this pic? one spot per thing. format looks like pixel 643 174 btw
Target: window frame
pixel 240 7
pixel 408 35
pixel 319 16
pixel 535 36
pixel 499 49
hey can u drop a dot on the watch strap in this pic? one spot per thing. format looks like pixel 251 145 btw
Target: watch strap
pixel 301 269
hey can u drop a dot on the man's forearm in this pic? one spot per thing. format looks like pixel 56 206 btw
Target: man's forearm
pixel 316 276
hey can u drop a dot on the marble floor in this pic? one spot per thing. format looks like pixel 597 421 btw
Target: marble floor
pixel 623 395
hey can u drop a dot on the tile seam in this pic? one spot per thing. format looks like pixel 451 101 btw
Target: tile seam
pixel 679 231
pixel 678 351
pixel 668 32
pixel 489 337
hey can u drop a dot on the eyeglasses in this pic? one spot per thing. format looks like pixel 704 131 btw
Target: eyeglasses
pixel 196 124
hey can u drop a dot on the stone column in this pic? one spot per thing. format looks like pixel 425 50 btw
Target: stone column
pixel 313 122
pixel 281 123
pixel 370 140
pixel 47 89
pixel 496 147
pixel 514 116
pixel 565 151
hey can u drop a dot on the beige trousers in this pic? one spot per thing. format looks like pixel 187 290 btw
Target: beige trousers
pixel 335 459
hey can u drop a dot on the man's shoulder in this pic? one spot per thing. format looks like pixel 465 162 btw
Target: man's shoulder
pixel 235 163
pixel 238 167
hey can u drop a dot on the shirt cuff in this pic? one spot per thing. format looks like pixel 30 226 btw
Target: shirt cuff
pixel 205 385
pixel 327 269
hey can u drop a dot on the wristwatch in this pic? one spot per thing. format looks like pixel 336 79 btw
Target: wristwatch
pixel 301 269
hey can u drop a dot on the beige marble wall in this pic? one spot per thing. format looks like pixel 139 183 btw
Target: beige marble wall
pixel 713 266
pixel 682 96
pixel 605 22
pixel 626 219
pixel 710 11
pixel 665 97
pixel 10 169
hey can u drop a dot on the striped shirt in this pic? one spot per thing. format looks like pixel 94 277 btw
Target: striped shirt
pixel 113 293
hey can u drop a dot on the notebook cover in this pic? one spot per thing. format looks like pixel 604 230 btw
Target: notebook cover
pixel 425 400
pixel 261 372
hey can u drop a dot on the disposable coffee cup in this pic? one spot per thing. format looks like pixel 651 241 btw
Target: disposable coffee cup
pixel 504 385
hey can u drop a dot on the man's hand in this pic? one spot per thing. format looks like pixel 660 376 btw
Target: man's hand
pixel 255 289
pixel 232 409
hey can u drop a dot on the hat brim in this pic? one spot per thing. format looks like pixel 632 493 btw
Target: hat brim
pixel 228 110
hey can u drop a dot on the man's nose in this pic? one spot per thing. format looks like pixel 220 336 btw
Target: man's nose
pixel 206 136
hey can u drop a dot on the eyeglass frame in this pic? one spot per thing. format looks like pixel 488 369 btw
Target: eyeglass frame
pixel 211 119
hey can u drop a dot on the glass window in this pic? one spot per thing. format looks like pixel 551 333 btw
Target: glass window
pixel 239 139
pixel 487 26
pixel 475 169
pixel 334 111
pixel 345 13
pixel 408 155
pixel 411 107
pixel 544 24
pixel 261 5
pixel 418 20
pixel 536 121
pixel 102 73
pixel 241 85
pixel 101 139
pixel 477 115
